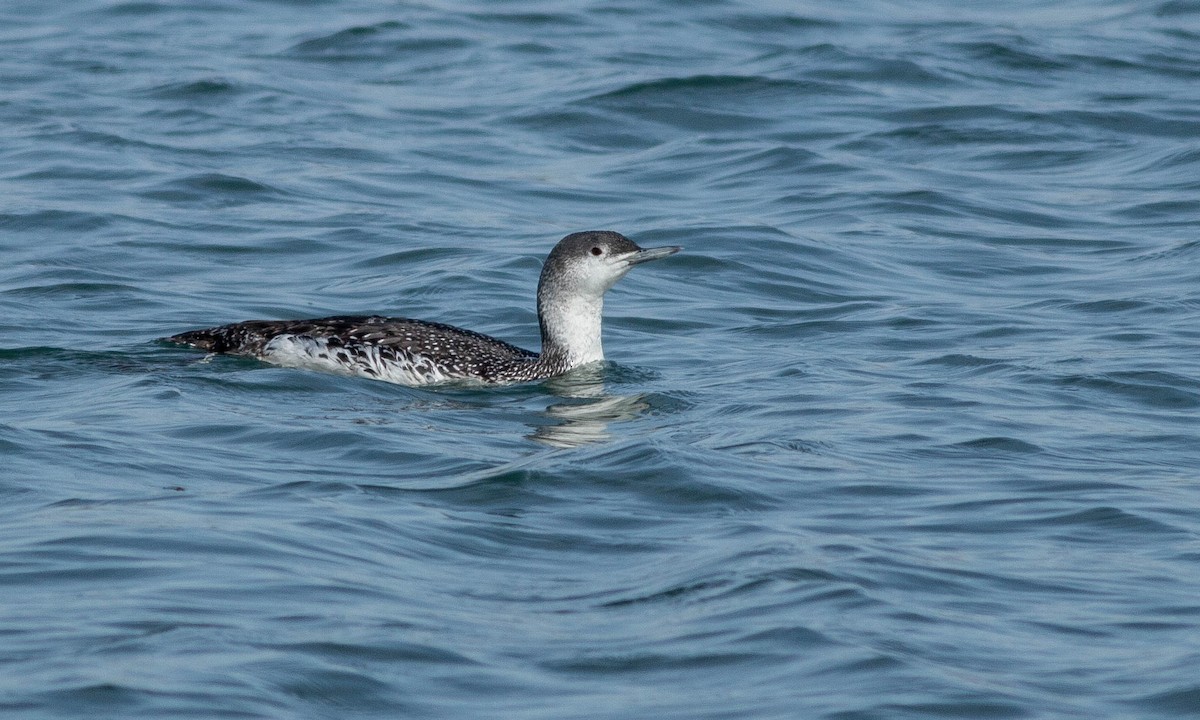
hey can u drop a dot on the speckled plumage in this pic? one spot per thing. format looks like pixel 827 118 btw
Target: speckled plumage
pixel 415 352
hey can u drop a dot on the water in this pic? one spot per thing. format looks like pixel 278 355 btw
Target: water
pixel 908 430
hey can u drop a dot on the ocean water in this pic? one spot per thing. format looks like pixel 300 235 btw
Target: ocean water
pixel 910 429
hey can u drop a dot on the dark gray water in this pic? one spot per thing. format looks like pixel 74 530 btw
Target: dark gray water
pixel 908 430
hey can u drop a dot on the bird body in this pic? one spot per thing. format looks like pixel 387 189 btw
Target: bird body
pixel 570 299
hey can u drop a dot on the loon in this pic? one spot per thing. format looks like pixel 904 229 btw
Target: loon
pixel 570 298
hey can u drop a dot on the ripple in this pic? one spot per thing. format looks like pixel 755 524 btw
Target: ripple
pixel 385 41
pixel 961 360
pixel 529 19
pixel 1183 699
pixel 375 651
pixel 213 190
pixel 775 24
pixel 349 39
pixel 704 102
pixel 205 89
pixel 714 88
pixel 1154 389
pixel 1178 8
pixel 1013 54
pixel 1108 519
pixel 64 220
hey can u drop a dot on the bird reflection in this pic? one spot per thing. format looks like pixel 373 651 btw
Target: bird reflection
pixel 586 417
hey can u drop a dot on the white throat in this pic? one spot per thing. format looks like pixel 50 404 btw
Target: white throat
pixel 572 329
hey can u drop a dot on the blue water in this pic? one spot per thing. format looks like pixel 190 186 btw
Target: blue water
pixel 908 430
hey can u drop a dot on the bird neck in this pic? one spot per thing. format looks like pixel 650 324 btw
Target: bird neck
pixel 571 328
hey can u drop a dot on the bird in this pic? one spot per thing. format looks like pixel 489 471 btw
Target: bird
pixel 570 300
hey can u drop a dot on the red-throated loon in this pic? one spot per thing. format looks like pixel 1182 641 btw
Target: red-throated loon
pixel 570 298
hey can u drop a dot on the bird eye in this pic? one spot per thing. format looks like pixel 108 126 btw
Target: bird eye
pixel 597 251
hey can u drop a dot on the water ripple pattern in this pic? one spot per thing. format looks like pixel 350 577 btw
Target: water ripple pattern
pixel 910 429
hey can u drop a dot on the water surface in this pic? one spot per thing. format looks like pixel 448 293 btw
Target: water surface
pixel 908 430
